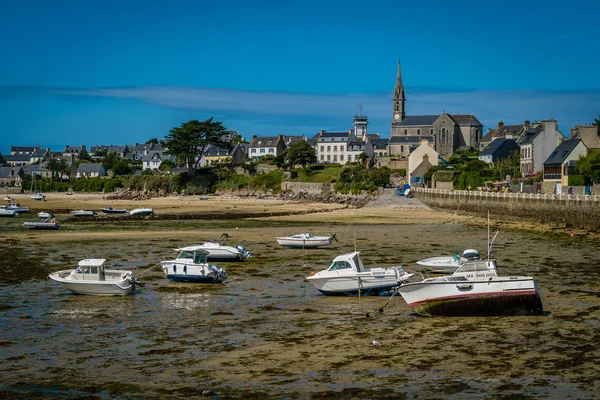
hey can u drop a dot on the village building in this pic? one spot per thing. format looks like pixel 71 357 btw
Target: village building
pixel 332 147
pixel 499 149
pixel 90 170
pixel 261 146
pixel 419 161
pixel 588 134
pixel 537 142
pixel 562 163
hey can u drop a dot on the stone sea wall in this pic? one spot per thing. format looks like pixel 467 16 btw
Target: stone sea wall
pixel 565 211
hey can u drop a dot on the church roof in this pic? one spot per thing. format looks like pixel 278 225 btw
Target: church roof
pixel 466 119
pixel 417 120
pixel 409 139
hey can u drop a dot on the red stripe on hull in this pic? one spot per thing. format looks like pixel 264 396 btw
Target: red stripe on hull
pixel 463 296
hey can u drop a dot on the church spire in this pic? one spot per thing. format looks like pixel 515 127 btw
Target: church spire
pixel 399 99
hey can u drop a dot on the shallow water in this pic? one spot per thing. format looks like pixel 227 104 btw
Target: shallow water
pixel 267 333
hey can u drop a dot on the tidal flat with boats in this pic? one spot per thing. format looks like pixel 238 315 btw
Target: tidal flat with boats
pixel 267 332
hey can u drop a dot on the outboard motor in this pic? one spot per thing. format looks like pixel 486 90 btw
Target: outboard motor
pixel 245 254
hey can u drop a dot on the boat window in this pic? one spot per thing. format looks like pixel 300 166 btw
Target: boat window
pixel 83 269
pixel 186 254
pixel 339 265
pixel 94 270
pixel 199 258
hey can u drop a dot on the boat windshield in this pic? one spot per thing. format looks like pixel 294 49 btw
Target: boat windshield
pixel 337 265
pixel 199 258
pixel 186 254
pixel 474 267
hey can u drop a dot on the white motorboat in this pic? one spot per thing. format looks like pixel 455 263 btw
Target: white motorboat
pixel 142 211
pixel 47 224
pixel 222 252
pixel 9 199
pixel 37 196
pixel 111 210
pixel 449 264
pixel 473 289
pixel 91 277
pixel 83 213
pixel 191 266
pixel 4 212
pixel 45 215
pixel 305 240
pixel 348 275
pixel 17 207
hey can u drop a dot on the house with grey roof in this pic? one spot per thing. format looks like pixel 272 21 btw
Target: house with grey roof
pixel 153 159
pixel 39 170
pixel 536 143
pixel 402 146
pixel 11 176
pixel 121 151
pixel 266 145
pixel 380 147
pixel 14 150
pixel 588 134
pixel 73 151
pixel 39 155
pixel 19 159
pixel 332 147
pixel 562 162
pixel 355 148
pixel 139 150
pixel 90 170
pixel 499 149
pixel 502 131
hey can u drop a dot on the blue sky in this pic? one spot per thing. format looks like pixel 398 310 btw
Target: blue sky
pixel 119 72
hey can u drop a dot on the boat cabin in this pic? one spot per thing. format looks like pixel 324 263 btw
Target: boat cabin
pixel 90 268
pixel 478 268
pixel 195 255
pixel 347 261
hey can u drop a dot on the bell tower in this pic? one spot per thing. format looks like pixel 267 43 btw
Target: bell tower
pixel 399 99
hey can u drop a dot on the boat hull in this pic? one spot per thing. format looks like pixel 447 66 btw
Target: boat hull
pixel 192 278
pixel 496 296
pixel 303 243
pixel 355 284
pixel 8 213
pixel 113 211
pixel 41 225
pixel 177 271
pixel 141 211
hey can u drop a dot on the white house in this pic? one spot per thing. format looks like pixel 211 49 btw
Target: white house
pixel 90 170
pixel 154 158
pixel 419 161
pixel 332 147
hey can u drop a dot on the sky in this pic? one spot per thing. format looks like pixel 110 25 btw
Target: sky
pixel 124 71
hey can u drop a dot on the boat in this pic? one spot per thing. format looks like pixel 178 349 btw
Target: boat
pixel 223 252
pixel 305 240
pixel 473 289
pixel 191 266
pixel 449 264
pixel 142 211
pixel 37 196
pixel 47 224
pixel 83 213
pixel 347 275
pixel 45 215
pixel 9 199
pixel 17 207
pixel 111 210
pixel 4 212
pixel 91 277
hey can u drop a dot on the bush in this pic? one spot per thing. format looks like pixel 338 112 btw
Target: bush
pixel 576 180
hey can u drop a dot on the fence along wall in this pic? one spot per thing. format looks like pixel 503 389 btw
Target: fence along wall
pixel 571 211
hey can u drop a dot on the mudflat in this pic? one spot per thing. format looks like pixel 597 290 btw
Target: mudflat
pixel 267 333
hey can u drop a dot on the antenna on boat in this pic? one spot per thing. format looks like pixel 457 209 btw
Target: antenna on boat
pixel 490 243
pixel 355 241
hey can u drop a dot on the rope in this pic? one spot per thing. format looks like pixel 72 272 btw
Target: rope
pixel 143 272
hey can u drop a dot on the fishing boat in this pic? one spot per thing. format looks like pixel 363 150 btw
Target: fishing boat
pixel 347 275
pixel 4 212
pixel 83 213
pixel 111 210
pixel 223 252
pixel 191 266
pixel 474 289
pixel 449 264
pixel 142 211
pixel 305 240
pixel 91 277
pixel 17 207
pixel 47 224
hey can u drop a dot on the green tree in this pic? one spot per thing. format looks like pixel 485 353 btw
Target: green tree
pixel 166 165
pixel 121 167
pixel 190 141
pixel 300 153
pixel 597 121
pixel 589 166
pixel 109 161
pixel 362 157
pixel 53 165
pixel 64 169
pixel 84 155
pixel 152 141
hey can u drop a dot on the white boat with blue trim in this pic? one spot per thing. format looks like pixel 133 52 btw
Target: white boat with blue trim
pixel 449 264
pixel 191 266
pixel 348 276
pixel 305 240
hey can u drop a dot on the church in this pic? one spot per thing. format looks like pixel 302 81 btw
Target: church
pixel 445 132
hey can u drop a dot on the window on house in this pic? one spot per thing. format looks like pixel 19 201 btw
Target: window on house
pixel 335 158
pixel 341 157
pixel 328 157
pixel 271 150
pixel 401 149
pixel 406 131
pixel 431 131
pixel 418 131
pixel 262 150
pixel 322 148
pixel 322 157
pixel 334 148
pixel 252 150
pixel 328 148
pixel 356 157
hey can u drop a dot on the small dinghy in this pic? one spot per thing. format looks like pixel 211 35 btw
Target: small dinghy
pixel 191 266
pixel 91 277
pixel 111 210
pixel 305 240
pixel 142 211
pixel 4 212
pixel 47 224
pixel 83 213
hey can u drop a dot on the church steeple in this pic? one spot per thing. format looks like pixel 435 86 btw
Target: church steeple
pixel 399 99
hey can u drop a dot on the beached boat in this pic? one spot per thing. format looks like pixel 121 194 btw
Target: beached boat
pixel 47 224
pixel 37 196
pixel 305 240
pixel 9 199
pixel 191 266
pixel 348 276
pixel 449 264
pixel 473 289
pixel 223 252
pixel 91 277
pixel 45 215
pixel 4 212
pixel 17 207
pixel 111 210
pixel 83 213
pixel 142 211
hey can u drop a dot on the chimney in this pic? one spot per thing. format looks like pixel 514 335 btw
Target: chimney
pixel 425 141
pixel 500 124
pixel 254 137
pixel 526 123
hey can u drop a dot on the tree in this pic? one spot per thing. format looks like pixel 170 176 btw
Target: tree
pixel 84 155
pixel 121 168
pixel 166 165
pixel 109 161
pixel 597 121
pixel 152 141
pixel 190 141
pixel 53 165
pixel 300 153
pixel 589 166
pixel 63 168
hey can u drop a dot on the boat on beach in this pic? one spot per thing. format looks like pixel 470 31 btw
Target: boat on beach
pixel 111 210
pixel 37 196
pixel 347 275
pixel 17 207
pixel 91 277
pixel 449 264
pixel 83 213
pixel 305 240
pixel 191 266
pixel 44 215
pixel 48 223
pixel 4 212
pixel 142 211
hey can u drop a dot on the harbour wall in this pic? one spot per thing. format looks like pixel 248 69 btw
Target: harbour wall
pixel 565 211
